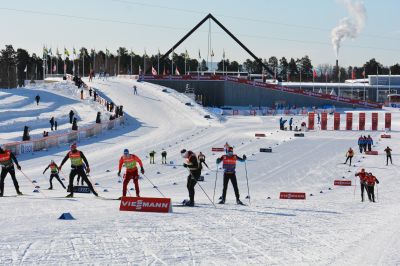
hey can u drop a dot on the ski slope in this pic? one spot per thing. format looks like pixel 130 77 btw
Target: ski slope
pixel 332 227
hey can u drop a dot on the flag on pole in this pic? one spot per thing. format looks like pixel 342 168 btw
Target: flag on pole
pixel 223 54
pixel 107 52
pixel 26 68
pixel 66 53
pixel 50 52
pixel 45 51
pixel 199 54
pixel 353 74
pixel 158 52
pixel 177 71
pixel 54 68
pixel 212 53
pixel 288 76
pixel 153 71
pixel 186 54
pixel 314 73
pixel 363 73
pixel 58 53
pixel 164 73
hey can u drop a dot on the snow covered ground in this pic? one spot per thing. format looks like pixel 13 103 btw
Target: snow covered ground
pixel 332 227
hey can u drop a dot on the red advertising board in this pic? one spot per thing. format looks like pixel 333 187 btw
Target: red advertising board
pixel 311 116
pixel 137 204
pixel 388 121
pixel 293 195
pixel 336 121
pixel 260 135
pixel 349 121
pixel 374 121
pixel 371 152
pixel 218 149
pixel 386 136
pixel 361 121
pixel 324 121
pixel 342 183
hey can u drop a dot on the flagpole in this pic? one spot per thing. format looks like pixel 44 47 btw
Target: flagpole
pixel 158 63
pixel 377 89
pixel 83 66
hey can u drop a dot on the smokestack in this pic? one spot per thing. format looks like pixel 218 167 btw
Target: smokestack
pixel 337 70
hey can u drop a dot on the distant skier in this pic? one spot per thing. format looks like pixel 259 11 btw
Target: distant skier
pixel 152 154
pixel 290 123
pixel 25 135
pixel 74 124
pixel 365 143
pixel 78 159
pixel 51 123
pixel 98 118
pixel 71 116
pixel 134 90
pixel 371 180
pixel 55 125
pixel 54 174
pixel 116 111
pixel 130 162
pixel 90 92
pixel 202 160
pixel 349 156
pixel 370 142
pixel 192 164
pixel 37 99
pixel 388 155
pixel 120 111
pixel 229 166
pixel 318 119
pixel 362 175
pixel 94 95
pixel 360 143
pixel 7 167
pixel 164 157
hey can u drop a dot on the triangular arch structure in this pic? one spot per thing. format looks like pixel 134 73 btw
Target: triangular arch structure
pixel 209 16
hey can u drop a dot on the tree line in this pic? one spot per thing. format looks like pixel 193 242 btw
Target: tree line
pixel 18 65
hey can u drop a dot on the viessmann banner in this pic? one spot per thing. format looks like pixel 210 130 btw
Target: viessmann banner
pixel 138 204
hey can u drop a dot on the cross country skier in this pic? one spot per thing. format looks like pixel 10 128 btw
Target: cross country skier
pixel 229 166
pixel 7 167
pixel 362 175
pixel 152 154
pixel 388 155
pixel 79 178
pixel 54 173
pixel 130 162
pixel 192 164
pixel 164 157
pixel 78 159
pixel 349 155
pixel 371 180
pixel 360 143
pixel 202 160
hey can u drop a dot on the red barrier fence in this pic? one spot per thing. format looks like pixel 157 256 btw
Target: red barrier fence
pixel 311 117
pixel 361 121
pixel 374 121
pixel 324 121
pixel 336 121
pixel 342 183
pixel 349 121
pixel 388 121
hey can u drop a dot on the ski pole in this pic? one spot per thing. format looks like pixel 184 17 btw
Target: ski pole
pixel 154 186
pixel 215 184
pixel 377 192
pixel 30 180
pixel 247 179
pixel 204 192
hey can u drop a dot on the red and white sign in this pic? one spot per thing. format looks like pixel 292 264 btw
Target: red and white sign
pixel 342 183
pixel 336 121
pixel 218 149
pixel 349 121
pixel 324 121
pixel 371 152
pixel 361 121
pixel 386 136
pixel 374 121
pixel 293 195
pixel 311 116
pixel 137 204
pixel 388 121
pixel 260 135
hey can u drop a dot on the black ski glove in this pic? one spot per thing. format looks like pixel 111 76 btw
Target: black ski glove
pixel 119 173
pixel 142 170
pixel 244 157
pixel 18 167
pixel 185 165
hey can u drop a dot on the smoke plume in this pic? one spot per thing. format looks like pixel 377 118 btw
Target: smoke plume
pixel 351 26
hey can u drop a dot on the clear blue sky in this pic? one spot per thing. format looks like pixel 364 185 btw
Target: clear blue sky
pixel 290 28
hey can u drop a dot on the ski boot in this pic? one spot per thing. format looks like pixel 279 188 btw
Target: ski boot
pixel 238 202
pixel 222 201
pixel 19 193
pixel 188 203
pixel 70 195
pixel 50 188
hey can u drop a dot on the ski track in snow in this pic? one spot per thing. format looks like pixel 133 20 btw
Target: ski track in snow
pixel 329 228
